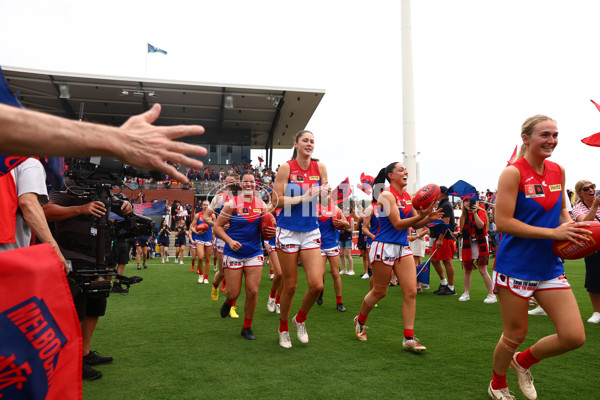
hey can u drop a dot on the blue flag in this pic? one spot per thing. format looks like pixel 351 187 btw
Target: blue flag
pixel 152 49
pixel 463 190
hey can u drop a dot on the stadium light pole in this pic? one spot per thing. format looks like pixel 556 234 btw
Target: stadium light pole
pixel 408 100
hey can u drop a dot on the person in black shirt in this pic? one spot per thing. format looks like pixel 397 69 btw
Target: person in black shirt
pixel 443 245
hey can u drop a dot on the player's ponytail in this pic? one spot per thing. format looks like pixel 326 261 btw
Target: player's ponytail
pixel 379 181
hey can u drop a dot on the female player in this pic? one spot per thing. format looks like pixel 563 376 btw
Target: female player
pixel 297 185
pixel 163 241
pixel 329 225
pixel 180 235
pixel 346 244
pixel 242 254
pixel 390 251
pixel 530 213
pixel 475 247
pixel 200 236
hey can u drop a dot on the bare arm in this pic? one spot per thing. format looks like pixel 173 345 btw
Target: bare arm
pixel 137 142
pixel 35 219
pixel 506 200
pixel 219 230
pixel 55 213
pixel 281 181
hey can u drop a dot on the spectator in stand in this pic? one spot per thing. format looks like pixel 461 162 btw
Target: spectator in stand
pixel 586 209
pixel 221 175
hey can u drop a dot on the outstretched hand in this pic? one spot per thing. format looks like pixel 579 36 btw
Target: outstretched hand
pixel 144 145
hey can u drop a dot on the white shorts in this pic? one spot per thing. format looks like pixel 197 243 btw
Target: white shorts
pixel 526 289
pixel 292 241
pixel 239 263
pixel 335 251
pixel 219 244
pixel 268 246
pixel 418 247
pixel 388 253
pixel 200 243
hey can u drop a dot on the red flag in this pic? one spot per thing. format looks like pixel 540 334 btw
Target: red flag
pixel 366 183
pixel 341 192
pixel 596 104
pixel 40 338
pixel 260 159
pixel 513 157
pixel 593 140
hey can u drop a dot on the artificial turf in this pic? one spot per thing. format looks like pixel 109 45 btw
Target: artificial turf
pixel 169 342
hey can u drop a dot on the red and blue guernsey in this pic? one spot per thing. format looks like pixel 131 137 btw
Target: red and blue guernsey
pixel 207 235
pixel 244 227
pixel 539 203
pixel 387 233
pixel 301 217
pixel 330 235
pixel 374 223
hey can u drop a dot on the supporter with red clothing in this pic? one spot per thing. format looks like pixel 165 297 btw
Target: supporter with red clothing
pixel 586 209
pixel 475 247
pixel 444 243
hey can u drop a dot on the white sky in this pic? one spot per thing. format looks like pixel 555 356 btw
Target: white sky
pixel 480 69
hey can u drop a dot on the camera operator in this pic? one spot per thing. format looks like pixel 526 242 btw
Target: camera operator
pixel 119 256
pixel 74 214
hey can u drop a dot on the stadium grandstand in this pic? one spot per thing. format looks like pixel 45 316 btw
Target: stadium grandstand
pixel 236 118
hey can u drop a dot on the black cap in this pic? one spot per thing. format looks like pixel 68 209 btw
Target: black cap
pixel 444 190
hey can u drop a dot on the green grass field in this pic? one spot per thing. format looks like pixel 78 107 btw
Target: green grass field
pixel 169 342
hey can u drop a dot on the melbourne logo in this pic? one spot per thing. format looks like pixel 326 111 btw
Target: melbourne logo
pixel 31 342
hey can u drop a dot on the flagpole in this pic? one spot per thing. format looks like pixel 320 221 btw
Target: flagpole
pixel 408 109
pixel 146 64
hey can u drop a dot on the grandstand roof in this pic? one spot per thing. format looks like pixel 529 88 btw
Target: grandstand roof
pixel 261 114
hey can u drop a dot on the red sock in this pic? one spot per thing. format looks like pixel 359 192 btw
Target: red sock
pixel 300 317
pixel 409 333
pixel 200 272
pixel 338 299
pixel 283 326
pixel 526 359
pixel 271 272
pixel 230 302
pixel 233 304
pixel 362 318
pixel 215 286
pixel 206 276
pixel 498 381
pixel 247 322
pixel 278 299
pixel 272 294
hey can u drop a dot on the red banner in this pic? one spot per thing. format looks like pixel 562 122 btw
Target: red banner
pixel 40 337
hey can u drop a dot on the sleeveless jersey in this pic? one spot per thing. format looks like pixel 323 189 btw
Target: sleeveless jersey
pixel 374 224
pixel 244 228
pixel 301 217
pixel 387 233
pixel 207 235
pixel 329 233
pixel 539 203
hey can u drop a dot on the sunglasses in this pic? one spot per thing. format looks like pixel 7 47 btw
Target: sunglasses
pixel 586 188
